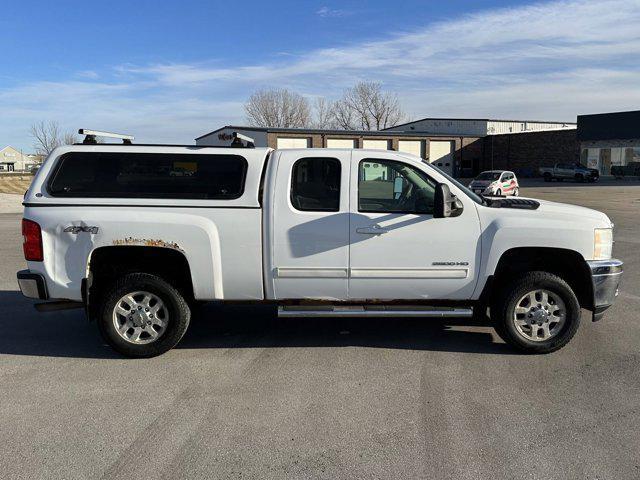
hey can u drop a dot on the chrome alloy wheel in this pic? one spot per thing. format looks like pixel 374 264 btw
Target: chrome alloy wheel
pixel 539 315
pixel 140 317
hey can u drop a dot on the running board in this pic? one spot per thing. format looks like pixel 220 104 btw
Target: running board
pixel 375 311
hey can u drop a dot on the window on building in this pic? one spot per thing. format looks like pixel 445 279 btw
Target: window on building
pixel 387 186
pixel 148 175
pixel 315 184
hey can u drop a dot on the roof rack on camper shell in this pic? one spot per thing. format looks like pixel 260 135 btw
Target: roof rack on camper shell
pixel 239 140
pixel 91 135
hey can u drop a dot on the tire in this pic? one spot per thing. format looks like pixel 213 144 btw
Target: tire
pixel 169 324
pixel 547 177
pixel 535 323
pixel 498 192
pixel 579 178
pixel 516 192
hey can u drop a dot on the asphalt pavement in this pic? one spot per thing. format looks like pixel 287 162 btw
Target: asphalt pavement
pixel 247 395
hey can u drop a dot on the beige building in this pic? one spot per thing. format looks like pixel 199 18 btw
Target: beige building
pixel 459 147
pixel 445 151
pixel 13 160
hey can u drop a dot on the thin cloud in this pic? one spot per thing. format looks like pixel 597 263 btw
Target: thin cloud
pixel 91 74
pixel 326 12
pixel 548 60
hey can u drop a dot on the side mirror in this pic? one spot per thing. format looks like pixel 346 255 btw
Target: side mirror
pixel 445 203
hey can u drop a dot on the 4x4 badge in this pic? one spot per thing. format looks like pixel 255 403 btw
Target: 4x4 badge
pixel 76 229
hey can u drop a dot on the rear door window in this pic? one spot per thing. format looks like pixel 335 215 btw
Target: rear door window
pixel 315 184
pixel 148 175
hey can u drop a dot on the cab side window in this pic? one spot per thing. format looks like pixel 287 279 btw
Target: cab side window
pixel 387 186
pixel 315 184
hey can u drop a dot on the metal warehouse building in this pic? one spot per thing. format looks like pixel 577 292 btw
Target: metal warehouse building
pixel 461 147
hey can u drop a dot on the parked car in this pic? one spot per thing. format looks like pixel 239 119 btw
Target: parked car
pixel 569 171
pixel 317 233
pixel 496 183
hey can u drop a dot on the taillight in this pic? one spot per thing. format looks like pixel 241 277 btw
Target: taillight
pixel 32 245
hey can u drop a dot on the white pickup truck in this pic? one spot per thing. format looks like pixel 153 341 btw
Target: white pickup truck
pixel 316 232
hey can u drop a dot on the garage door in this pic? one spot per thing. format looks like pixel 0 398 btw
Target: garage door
pixel 414 147
pixel 376 144
pixel 284 142
pixel 441 155
pixel 341 143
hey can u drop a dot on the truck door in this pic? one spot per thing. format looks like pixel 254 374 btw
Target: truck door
pixel 308 234
pixel 398 250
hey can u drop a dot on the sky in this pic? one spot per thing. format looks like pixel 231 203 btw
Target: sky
pixel 169 71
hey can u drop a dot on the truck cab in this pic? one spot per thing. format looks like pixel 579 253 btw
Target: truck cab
pixel 316 232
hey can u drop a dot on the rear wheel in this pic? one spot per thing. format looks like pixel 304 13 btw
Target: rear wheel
pixel 539 313
pixel 143 315
pixel 516 192
pixel 498 192
pixel 579 178
pixel 547 177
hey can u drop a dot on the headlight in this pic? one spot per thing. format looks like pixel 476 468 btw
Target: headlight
pixel 602 243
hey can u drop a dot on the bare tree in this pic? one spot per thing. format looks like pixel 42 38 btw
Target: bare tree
pixel 324 113
pixel 367 107
pixel 70 138
pixel 278 108
pixel 47 136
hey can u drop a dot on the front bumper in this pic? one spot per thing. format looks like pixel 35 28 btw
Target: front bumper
pixel 605 278
pixel 480 189
pixel 32 285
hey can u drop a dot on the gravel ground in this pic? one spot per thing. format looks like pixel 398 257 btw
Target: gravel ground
pixel 10 203
pixel 246 395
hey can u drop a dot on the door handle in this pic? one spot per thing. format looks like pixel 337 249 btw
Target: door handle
pixel 373 230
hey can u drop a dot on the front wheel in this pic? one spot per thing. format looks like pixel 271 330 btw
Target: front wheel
pixel 143 315
pixel 539 313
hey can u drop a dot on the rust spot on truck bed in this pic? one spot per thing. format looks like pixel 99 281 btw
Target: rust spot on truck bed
pixel 147 242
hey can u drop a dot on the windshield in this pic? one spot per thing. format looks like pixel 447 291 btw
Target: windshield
pixel 469 193
pixel 488 176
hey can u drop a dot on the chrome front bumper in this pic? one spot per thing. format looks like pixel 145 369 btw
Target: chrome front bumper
pixel 605 278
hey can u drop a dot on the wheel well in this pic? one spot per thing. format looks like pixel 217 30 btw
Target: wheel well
pixel 108 263
pixel 567 264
